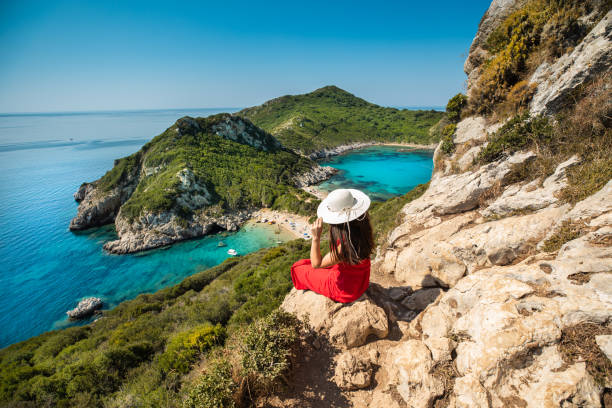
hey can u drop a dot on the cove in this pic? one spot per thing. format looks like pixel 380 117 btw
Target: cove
pixel 46 269
pixel 382 172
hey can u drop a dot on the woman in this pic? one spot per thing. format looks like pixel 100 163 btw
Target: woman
pixel 343 274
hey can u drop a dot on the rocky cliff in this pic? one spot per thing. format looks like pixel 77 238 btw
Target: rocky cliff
pixel 199 176
pixel 495 289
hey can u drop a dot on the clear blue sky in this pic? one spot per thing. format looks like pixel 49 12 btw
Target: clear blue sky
pixel 104 55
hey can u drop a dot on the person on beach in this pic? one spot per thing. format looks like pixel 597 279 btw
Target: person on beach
pixel 342 275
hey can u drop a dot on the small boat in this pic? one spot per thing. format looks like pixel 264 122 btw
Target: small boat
pixel 278 241
pixel 232 252
pixel 221 244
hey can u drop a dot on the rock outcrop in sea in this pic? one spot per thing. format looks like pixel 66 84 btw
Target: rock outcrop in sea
pixel 469 306
pixel 85 308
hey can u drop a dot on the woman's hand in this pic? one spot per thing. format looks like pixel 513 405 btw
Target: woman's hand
pixel 316 229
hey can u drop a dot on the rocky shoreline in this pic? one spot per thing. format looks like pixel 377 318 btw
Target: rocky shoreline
pixel 155 230
pixel 338 150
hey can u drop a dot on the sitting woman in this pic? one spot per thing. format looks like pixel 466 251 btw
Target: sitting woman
pixel 343 274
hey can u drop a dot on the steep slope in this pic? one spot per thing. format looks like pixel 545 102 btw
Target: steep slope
pixel 199 175
pixel 496 281
pixel 330 117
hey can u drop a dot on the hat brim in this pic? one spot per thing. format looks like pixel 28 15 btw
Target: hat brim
pixel 359 208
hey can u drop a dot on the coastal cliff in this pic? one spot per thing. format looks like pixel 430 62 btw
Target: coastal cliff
pixel 491 285
pixel 199 176
pixel 494 288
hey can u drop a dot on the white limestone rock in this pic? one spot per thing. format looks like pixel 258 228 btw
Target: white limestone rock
pixel 530 196
pixel 591 57
pixel 346 325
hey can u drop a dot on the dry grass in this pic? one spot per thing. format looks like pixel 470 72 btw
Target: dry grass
pixel 488 196
pixel 541 290
pixel 445 371
pixel 579 278
pixel 516 101
pixel 578 344
pixel 568 231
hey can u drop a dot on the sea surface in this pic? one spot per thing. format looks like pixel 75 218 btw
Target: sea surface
pixel 382 171
pixel 46 269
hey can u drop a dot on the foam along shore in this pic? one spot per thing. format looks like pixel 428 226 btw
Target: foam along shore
pixel 297 225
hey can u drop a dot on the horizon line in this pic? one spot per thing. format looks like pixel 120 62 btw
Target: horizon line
pixel 86 112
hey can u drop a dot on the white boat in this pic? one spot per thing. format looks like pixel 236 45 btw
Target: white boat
pixel 232 252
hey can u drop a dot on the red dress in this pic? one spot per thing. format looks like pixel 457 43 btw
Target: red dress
pixel 341 282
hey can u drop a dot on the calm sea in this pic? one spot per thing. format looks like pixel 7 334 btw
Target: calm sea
pixel 383 171
pixel 46 269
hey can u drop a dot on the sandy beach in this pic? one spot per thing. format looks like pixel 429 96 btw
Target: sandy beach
pixel 297 225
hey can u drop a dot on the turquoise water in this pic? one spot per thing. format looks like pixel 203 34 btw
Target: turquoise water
pixel 382 171
pixel 46 269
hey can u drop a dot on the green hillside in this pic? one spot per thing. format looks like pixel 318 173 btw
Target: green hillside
pixel 233 163
pixel 142 351
pixel 330 117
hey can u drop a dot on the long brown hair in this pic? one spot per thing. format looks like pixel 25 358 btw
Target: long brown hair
pixel 356 248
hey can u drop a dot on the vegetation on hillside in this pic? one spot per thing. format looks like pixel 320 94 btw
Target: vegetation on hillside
pixel 539 31
pixel 330 116
pixel 583 129
pixel 237 175
pixel 387 215
pixel 142 352
pixel 445 129
pixel 137 353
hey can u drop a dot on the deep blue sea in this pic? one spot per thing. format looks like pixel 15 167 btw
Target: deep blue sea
pixel 382 171
pixel 46 269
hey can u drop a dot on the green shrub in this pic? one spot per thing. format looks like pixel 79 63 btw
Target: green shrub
pixel 520 44
pixel 455 105
pixel 184 348
pixel 214 389
pixel 520 133
pixel 568 231
pixel 448 146
pixel 267 346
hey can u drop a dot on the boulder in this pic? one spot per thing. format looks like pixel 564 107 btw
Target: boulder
pixel 471 129
pixel 346 325
pixel 530 196
pixel 443 254
pixel 85 308
pixel 409 366
pixel 354 370
pixel 460 192
pixel 592 206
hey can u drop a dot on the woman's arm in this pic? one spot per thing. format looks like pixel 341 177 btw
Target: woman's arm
pixel 315 248
pixel 315 244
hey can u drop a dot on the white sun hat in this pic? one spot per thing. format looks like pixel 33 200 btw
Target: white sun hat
pixel 343 205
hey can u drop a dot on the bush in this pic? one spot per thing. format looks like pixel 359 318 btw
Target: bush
pixel 521 132
pixel 520 44
pixel 257 358
pixel 214 389
pixel 568 231
pixel 267 346
pixel 455 105
pixel 184 348
pixel 448 146
pixel 517 100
